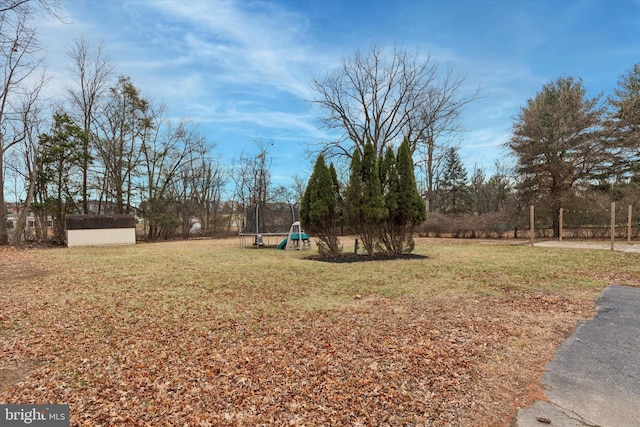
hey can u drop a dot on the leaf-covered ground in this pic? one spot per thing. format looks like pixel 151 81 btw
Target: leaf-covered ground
pixel 153 357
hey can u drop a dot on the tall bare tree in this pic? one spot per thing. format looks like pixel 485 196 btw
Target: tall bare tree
pixel 27 165
pixel 438 127
pixel 30 6
pixel 93 73
pixel 19 60
pixel 251 176
pixel 168 154
pixel 123 125
pixel 209 182
pixel 385 97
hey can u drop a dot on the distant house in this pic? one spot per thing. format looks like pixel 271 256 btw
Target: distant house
pixel 30 226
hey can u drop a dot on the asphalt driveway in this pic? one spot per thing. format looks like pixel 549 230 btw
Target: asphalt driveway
pixel 594 378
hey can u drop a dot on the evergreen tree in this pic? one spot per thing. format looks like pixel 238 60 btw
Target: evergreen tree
pixel 337 190
pixel 364 202
pixel 456 198
pixel 60 157
pixel 557 144
pixel 412 206
pixel 405 207
pixel 319 209
pixel 624 123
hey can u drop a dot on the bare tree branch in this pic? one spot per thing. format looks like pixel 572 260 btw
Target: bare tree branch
pixel 19 59
pixel 384 97
pixel 93 73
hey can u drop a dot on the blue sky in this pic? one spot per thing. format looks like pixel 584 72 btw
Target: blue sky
pixel 243 69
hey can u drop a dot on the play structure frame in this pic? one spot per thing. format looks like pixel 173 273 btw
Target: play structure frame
pixel 296 238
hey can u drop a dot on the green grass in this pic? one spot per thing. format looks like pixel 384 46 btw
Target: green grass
pixel 230 281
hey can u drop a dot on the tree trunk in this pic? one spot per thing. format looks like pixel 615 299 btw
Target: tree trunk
pixel 22 218
pixel 556 222
pixel 4 234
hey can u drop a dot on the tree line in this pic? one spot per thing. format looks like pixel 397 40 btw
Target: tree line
pixel 105 149
pixel 109 148
pixel 570 152
pixel 567 150
pixel 569 146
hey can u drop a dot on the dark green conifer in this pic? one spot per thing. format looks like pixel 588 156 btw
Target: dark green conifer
pixel 364 202
pixel 320 207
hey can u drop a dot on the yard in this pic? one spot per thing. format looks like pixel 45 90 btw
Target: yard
pixel 201 333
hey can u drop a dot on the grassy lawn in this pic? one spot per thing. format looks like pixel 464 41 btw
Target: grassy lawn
pixel 200 333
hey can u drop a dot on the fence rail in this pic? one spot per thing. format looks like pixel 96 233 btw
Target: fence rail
pixel 588 224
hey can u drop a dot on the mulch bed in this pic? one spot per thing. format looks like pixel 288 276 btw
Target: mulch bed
pixel 353 257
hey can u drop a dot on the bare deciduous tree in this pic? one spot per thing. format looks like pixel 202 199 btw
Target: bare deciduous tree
pixel 169 157
pixel 373 97
pixel 93 73
pixel 251 175
pixel 209 182
pixel 32 122
pixel 124 124
pixel 437 127
pixel 48 7
pixel 385 98
pixel 19 61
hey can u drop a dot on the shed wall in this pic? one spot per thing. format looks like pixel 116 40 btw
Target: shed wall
pixel 99 237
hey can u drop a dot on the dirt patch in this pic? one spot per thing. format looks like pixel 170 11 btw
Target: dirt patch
pixel 590 244
pixel 19 265
pixel 12 374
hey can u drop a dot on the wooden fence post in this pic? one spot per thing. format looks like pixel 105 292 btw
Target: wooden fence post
pixel 531 224
pixel 629 212
pixel 561 219
pixel 613 224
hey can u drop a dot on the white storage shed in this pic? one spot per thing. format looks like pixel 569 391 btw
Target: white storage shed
pixel 98 230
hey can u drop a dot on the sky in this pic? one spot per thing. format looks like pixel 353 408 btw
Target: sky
pixel 242 69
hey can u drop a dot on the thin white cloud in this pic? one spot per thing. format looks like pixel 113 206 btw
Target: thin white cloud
pixel 243 68
pixel 247 43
